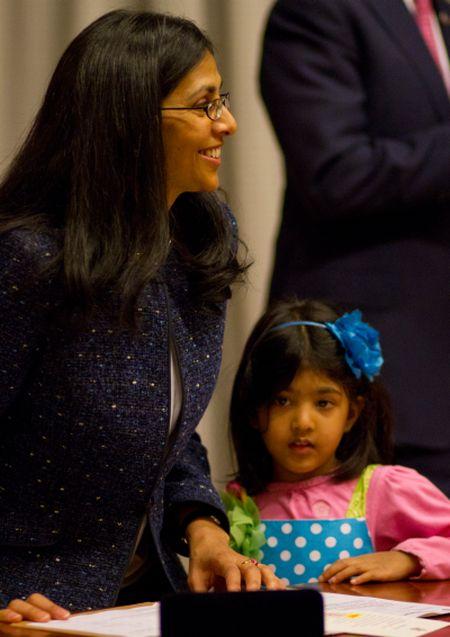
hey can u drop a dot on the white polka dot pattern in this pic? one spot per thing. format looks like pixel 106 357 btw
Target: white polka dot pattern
pixel 300 550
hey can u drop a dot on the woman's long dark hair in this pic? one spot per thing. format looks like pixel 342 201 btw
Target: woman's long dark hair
pixel 269 363
pixel 92 167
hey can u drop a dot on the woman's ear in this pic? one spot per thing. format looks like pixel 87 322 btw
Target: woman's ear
pixel 355 408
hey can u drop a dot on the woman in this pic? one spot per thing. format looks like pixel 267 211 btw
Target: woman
pixel 115 270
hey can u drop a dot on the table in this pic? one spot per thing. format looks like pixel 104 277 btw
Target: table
pixel 411 591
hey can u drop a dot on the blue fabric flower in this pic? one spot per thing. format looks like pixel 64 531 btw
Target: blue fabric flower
pixel 360 342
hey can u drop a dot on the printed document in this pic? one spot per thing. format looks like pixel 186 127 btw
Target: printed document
pixel 138 621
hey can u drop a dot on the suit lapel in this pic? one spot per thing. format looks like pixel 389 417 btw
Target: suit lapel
pixel 398 22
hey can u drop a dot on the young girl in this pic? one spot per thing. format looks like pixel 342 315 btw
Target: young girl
pixel 310 423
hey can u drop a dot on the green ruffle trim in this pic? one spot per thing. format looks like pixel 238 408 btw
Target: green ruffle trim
pixel 246 536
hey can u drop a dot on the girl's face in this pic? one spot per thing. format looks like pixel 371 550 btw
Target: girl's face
pixel 193 142
pixel 304 425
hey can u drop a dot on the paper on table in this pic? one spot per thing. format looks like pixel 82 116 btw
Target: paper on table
pixel 337 601
pixel 138 621
pixel 378 624
pixel 343 613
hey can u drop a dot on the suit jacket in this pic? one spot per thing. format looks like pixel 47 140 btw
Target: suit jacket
pixel 84 416
pixel 363 119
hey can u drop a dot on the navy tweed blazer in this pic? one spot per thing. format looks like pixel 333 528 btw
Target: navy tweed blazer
pixel 84 418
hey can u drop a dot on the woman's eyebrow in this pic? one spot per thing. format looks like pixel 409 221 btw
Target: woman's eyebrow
pixel 211 88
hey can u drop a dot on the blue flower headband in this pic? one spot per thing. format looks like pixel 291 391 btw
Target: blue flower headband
pixel 359 340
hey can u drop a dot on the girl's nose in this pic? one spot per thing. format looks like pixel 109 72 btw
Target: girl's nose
pixel 226 124
pixel 301 421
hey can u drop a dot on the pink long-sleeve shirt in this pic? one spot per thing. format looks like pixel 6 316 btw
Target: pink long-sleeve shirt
pixel 404 511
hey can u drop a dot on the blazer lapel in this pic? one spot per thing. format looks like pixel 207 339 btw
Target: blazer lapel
pixel 400 25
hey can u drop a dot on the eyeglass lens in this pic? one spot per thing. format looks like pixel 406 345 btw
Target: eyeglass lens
pixel 215 108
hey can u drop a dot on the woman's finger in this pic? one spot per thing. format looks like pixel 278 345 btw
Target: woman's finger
pixel 251 574
pixel 38 608
pixel 28 611
pixel 55 611
pixel 233 578
pixel 8 616
pixel 233 575
pixel 269 579
pixel 198 580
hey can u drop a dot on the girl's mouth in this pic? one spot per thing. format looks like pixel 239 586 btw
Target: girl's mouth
pixel 300 446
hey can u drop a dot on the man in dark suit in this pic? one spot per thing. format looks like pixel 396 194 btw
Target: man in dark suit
pixel 361 110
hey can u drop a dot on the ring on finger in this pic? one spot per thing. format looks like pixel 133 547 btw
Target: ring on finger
pixel 250 560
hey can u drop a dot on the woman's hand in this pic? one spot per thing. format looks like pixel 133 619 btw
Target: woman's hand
pixel 385 566
pixel 36 608
pixel 213 564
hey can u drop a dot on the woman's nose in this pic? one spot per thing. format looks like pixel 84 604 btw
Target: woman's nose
pixel 226 124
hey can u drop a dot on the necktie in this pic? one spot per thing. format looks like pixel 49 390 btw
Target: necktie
pixel 424 17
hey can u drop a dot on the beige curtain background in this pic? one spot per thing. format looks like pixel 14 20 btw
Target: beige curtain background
pixel 34 33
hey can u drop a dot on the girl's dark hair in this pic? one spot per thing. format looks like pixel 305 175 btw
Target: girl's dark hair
pixel 269 363
pixel 92 167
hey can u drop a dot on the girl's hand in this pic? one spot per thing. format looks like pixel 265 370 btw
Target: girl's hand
pixel 385 566
pixel 213 564
pixel 36 608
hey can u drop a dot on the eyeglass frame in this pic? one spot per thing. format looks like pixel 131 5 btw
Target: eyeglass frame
pixel 223 99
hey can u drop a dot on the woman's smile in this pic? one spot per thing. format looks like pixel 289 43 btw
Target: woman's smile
pixel 213 154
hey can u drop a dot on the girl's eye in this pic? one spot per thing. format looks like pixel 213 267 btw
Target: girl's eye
pixel 324 404
pixel 281 401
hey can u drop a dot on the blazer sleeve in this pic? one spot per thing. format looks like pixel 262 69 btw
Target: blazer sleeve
pixel 314 87
pixel 27 298
pixel 189 483
pixel 406 512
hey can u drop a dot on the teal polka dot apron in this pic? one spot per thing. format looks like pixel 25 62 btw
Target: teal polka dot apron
pixel 299 550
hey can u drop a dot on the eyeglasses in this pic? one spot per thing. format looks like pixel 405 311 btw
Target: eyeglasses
pixel 213 109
